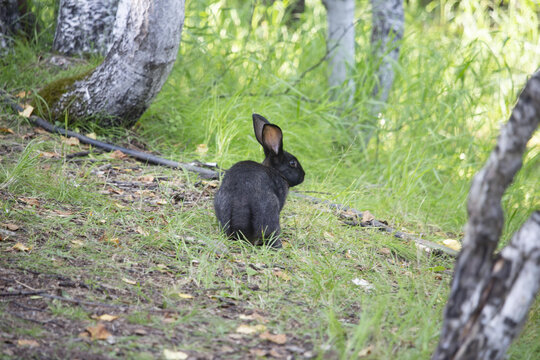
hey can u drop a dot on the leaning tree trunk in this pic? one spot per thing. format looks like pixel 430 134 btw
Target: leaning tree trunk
pixel 85 26
pixel 386 32
pixel 9 22
pixel 340 45
pixel 491 295
pixel 147 35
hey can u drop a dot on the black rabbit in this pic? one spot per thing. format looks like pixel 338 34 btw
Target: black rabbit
pixel 252 195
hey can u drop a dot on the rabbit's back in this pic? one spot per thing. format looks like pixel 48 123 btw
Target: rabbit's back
pixel 249 200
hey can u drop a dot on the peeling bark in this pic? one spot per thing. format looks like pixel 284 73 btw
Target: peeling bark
pixel 9 22
pixel 147 35
pixel 340 45
pixel 85 26
pixel 386 33
pixel 491 295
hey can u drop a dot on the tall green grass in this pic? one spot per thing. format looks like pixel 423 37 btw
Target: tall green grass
pixel 460 70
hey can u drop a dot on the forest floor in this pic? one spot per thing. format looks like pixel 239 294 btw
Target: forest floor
pixel 104 257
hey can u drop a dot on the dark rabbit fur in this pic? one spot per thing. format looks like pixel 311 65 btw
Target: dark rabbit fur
pixel 252 195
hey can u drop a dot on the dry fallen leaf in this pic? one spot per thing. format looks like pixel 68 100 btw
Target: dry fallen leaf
pixel 128 281
pixel 113 241
pixel 117 154
pixel 185 296
pixel 211 183
pixel 329 236
pixel 385 251
pixel 6 130
pixel 255 316
pixel 63 212
pixel 282 275
pixel 30 201
pixel 362 283
pixel 48 155
pixel 40 131
pixel 27 111
pixel 366 351
pixel 201 149
pixel 91 136
pixel 259 353
pixel 141 231
pixel 71 141
pixel 77 243
pixel 146 178
pixel 277 338
pixel 174 355
pixel 140 332
pixel 249 330
pixel 21 247
pixel 349 214
pixel 11 226
pixel 98 332
pixel 367 216
pixel 23 94
pixel 105 317
pixel 27 342
pixel 452 244
pixel 161 202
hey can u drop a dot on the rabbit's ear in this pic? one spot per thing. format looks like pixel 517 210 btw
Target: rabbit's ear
pixel 258 124
pixel 272 139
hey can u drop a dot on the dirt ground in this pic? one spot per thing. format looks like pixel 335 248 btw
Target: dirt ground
pixel 51 314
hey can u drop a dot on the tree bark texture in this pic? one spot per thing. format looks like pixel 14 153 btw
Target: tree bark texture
pixel 147 35
pixel 85 26
pixel 9 22
pixel 340 44
pixel 491 295
pixel 387 31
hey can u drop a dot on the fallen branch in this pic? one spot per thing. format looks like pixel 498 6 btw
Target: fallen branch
pixel 24 293
pixel 421 243
pixel 139 155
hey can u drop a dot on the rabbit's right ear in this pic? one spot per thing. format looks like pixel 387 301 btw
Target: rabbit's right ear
pixel 258 124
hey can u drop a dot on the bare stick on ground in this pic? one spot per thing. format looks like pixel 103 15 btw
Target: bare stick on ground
pixel 491 294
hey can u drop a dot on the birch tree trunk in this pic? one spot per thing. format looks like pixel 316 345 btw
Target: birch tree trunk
pixel 85 26
pixel 387 31
pixel 491 295
pixel 147 35
pixel 9 22
pixel 340 45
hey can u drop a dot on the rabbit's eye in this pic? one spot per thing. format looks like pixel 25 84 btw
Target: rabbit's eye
pixel 292 163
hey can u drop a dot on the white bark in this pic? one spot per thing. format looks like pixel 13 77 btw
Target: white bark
pixel 490 296
pixel 147 36
pixel 85 26
pixel 340 44
pixel 9 22
pixel 387 31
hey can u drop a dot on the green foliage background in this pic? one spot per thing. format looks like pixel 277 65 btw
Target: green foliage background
pixel 461 67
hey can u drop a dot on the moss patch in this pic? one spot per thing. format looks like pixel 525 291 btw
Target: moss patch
pixel 53 91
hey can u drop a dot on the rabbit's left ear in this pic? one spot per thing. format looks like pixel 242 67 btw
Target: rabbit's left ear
pixel 272 139
pixel 258 124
